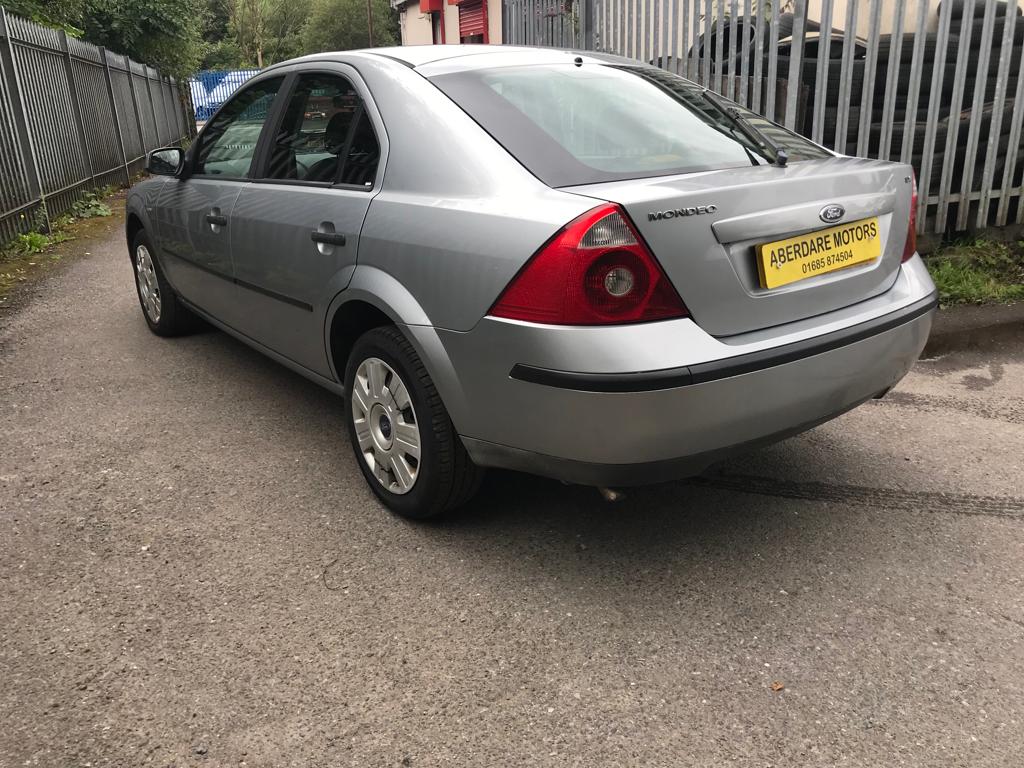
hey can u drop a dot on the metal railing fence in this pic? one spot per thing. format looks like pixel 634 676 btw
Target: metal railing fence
pixel 942 88
pixel 73 116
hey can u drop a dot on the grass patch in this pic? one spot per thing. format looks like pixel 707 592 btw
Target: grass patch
pixel 30 253
pixel 979 272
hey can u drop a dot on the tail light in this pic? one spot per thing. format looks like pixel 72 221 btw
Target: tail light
pixel 595 271
pixel 910 247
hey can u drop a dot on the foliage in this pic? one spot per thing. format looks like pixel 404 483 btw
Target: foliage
pixel 162 33
pixel 249 23
pixel 979 272
pixel 62 14
pixel 165 34
pixel 240 34
pixel 285 24
pixel 41 238
pixel 31 242
pixel 89 205
pixel 180 36
pixel 337 25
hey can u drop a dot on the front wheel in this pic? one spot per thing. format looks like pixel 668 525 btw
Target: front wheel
pixel 165 315
pixel 402 436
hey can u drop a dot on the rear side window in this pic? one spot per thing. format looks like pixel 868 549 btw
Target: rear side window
pixel 325 135
pixel 581 125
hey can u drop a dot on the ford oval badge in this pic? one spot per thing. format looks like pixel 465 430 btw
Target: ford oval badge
pixel 830 214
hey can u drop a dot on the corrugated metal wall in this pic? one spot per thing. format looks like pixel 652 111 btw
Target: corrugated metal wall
pixel 942 90
pixel 73 116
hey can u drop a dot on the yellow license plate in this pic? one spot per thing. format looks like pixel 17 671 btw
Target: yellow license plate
pixel 786 261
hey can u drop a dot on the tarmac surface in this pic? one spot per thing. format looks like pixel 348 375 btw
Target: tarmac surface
pixel 192 572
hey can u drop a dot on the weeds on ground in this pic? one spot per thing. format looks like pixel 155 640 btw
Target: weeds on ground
pixel 979 272
pixel 91 204
pixel 39 239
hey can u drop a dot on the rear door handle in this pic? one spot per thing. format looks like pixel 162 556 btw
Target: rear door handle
pixel 327 238
pixel 216 220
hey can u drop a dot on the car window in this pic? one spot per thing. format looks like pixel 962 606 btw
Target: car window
pixel 325 135
pixel 229 142
pixel 579 125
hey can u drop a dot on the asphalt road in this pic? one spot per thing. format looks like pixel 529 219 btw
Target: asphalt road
pixel 193 573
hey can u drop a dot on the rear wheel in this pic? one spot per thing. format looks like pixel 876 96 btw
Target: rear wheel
pixel 165 315
pixel 403 439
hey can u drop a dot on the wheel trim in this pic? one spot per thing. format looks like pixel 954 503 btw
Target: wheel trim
pixel 386 428
pixel 149 288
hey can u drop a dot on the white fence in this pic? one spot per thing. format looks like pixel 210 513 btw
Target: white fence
pixel 939 86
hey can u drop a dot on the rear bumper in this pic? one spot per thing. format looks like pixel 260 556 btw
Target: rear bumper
pixel 607 416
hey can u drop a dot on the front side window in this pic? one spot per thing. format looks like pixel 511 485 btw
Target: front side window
pixel 581 125
pixel 228 143
pixel 325 135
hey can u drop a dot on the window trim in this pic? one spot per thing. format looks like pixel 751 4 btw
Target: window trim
pixel 350 73
pixel 274 109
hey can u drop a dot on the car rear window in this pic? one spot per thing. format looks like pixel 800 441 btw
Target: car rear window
pixel 586 124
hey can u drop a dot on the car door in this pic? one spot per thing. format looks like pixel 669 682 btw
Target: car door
pixel 296 227
pixel 193 213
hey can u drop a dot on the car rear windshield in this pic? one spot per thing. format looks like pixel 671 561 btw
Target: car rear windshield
pixel 586 124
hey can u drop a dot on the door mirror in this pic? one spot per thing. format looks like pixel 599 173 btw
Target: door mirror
pixel 165 161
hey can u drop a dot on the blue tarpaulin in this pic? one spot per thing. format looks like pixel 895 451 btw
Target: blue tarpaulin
pixel 211 88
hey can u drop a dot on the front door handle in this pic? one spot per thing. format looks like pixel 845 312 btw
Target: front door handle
pixel 216 220
pixel 327 238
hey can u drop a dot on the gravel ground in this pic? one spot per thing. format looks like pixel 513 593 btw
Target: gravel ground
pixel 193 573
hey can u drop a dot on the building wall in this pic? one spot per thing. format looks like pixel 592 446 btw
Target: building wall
pixel 415 26
pixel 416 29
pixel 494 20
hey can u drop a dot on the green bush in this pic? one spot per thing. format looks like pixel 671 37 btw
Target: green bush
pixel 33 242
pixel 89 205
pixel 979 272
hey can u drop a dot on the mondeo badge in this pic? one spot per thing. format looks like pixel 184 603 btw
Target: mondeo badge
pixel 698 210
pixel 830 214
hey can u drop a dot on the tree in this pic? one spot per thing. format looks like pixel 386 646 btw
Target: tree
pixel 165 34
pixel 285 23
pixel 337 25
pixel 249 21
pixel 64 14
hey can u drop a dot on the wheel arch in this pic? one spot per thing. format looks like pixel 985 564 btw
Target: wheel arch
pixel 132 226
pixel 372 299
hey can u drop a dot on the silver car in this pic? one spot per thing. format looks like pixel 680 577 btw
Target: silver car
pixel 558 262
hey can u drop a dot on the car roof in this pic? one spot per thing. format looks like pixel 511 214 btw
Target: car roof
pixel 416 56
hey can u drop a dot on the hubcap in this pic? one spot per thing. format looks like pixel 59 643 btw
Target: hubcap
pixel 386 427
pixel 149 289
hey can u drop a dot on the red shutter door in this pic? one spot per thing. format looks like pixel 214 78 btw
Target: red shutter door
pixel 471 19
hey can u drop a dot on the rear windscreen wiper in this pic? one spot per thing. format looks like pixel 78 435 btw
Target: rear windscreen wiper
pixel 777 153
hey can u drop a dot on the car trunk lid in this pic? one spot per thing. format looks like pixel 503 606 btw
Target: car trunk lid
pixel 704 229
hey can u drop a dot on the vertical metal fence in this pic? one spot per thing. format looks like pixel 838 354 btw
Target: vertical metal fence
pixel 939 85
pixel 73 116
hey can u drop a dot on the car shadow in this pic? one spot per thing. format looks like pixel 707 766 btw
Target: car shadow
pixel 514 515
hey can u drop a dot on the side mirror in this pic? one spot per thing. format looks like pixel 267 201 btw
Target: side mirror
pixel 166 161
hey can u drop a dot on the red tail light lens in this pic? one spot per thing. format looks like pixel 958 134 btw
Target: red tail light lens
pixel 595 271
pixel 910 248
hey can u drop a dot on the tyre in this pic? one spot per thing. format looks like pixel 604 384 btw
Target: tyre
pixel 403 439
pixel 164 313
pixel 959 7
pixel 907 44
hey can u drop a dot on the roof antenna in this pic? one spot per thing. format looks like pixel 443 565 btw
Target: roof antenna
pixel 578 61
